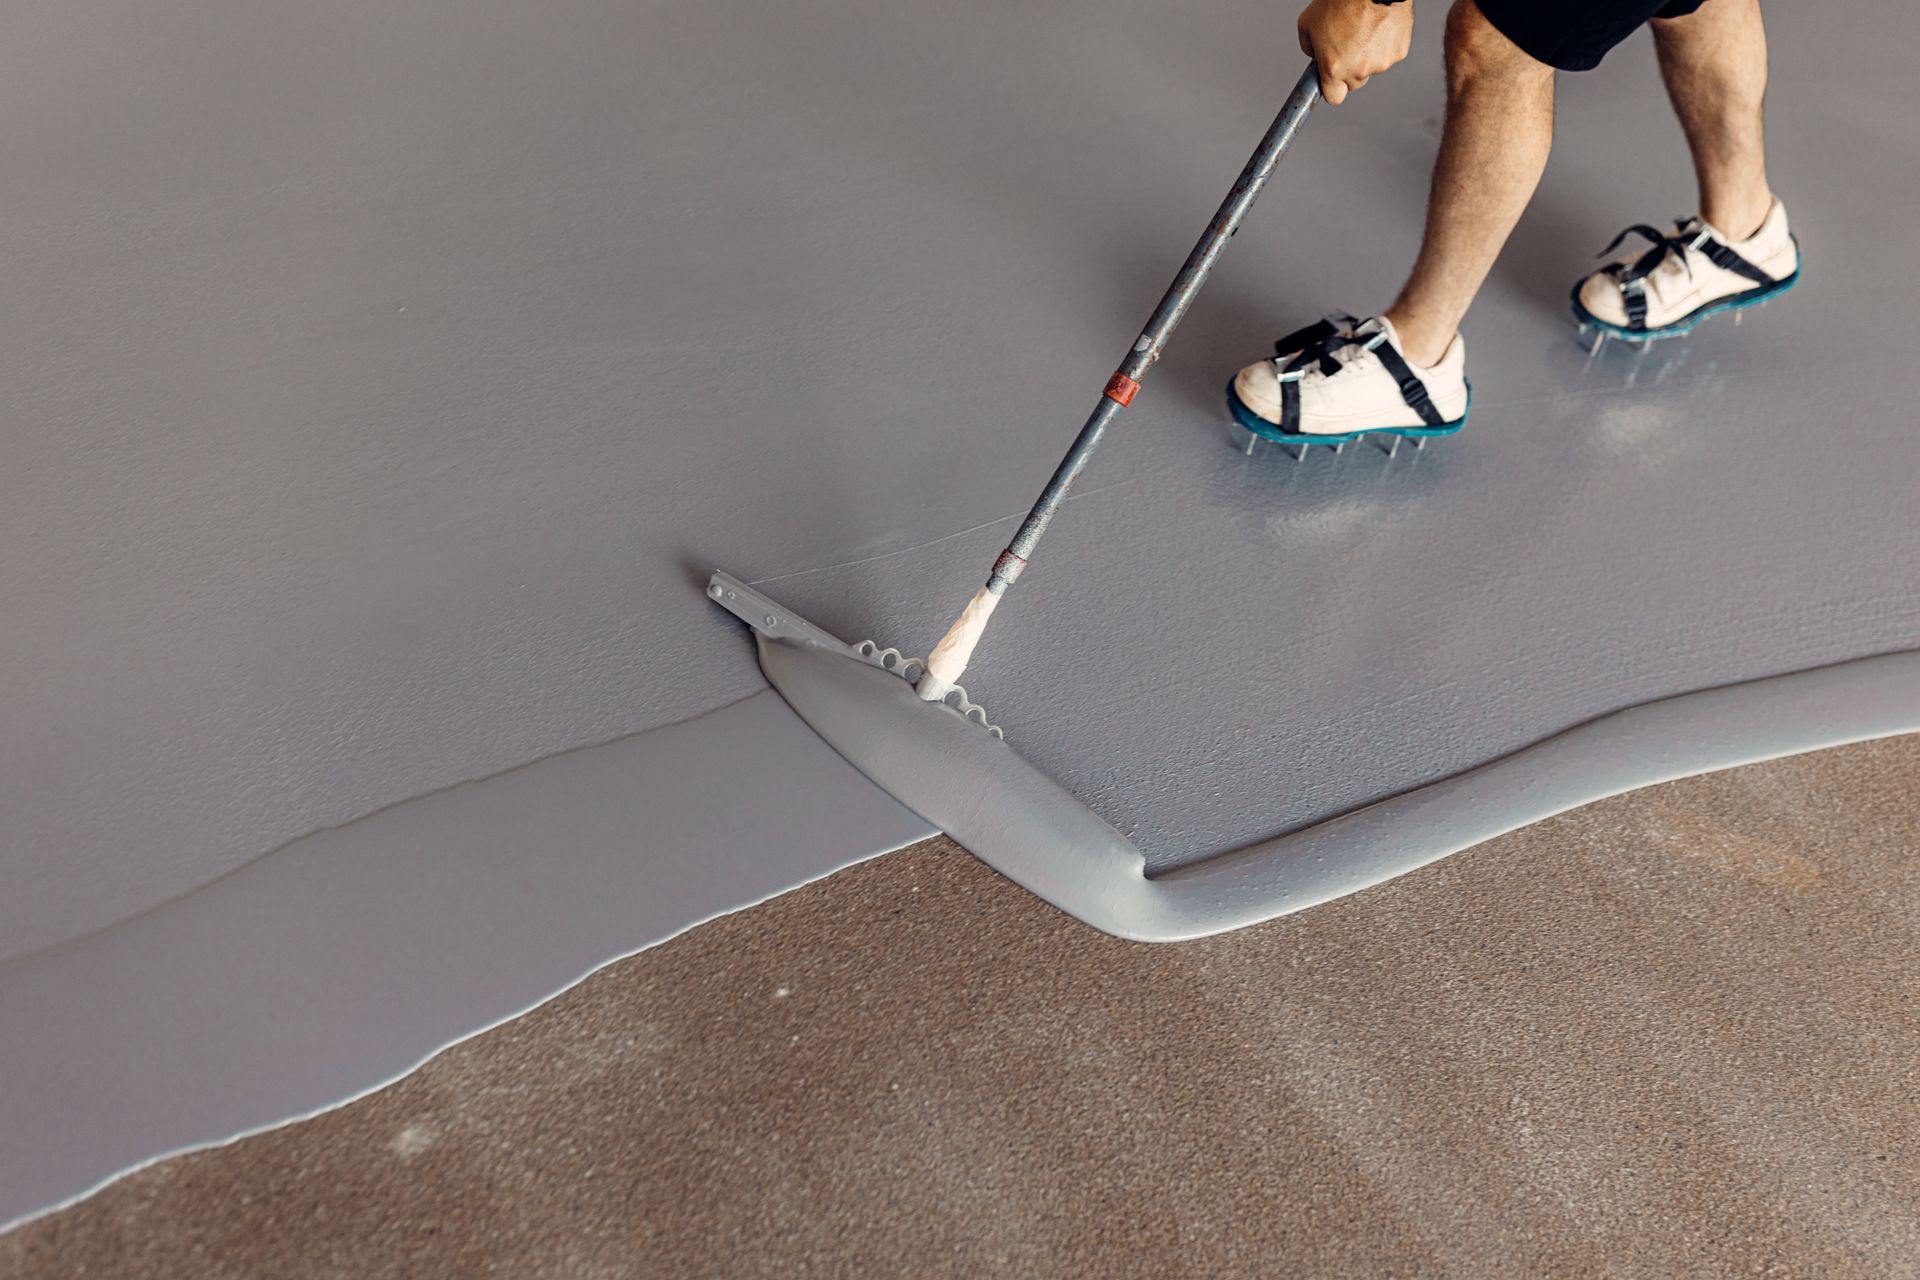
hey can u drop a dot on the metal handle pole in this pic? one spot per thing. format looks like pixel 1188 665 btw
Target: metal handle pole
pixel 949 658
pixel 1125 383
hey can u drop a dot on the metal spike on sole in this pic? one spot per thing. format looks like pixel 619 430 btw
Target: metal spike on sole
pixel 1599 340
pixel 1245 441
pixel 1390 446
pixel 1419 443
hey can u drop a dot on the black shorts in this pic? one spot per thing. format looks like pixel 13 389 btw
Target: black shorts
pixel 1574 35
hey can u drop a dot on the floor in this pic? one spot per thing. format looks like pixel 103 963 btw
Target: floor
pixel 1674 1033
pixel 343 961
pixel 384 387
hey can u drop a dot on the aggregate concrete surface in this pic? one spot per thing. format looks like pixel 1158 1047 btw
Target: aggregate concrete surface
pixel 1674 1033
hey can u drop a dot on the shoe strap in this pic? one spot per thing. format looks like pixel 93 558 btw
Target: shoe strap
pixel 1316 346
pixel 1726 259
pixel 1331 325
pixel 1412 390
pixel 1690 236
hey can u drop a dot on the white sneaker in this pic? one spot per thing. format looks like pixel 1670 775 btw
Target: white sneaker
pixel 1686 277
pixel 1337 380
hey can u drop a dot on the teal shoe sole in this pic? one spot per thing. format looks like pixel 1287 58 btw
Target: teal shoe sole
pixel 1259 426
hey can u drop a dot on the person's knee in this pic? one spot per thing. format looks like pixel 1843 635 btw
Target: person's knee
pixel 1476 49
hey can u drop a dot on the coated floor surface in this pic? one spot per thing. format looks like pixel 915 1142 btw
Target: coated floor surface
pixel 1671 1034
pixel 384 386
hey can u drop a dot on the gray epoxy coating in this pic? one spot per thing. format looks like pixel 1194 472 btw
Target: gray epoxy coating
pixel 980 792
pixel 312 976
pixel 378 383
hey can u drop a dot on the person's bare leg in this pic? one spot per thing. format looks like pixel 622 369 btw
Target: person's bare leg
pixel 1494 148
pixel 1715 64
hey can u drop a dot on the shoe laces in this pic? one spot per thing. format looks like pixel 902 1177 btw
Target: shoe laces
pixel 1330 349
pixel 1669 256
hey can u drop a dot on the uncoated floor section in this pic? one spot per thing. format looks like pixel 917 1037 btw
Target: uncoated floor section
pixel 1673 1033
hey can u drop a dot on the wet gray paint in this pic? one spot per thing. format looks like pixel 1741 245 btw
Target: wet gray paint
pixel 378 378
pixel 382 384
pixel 978 790
pixel 341 962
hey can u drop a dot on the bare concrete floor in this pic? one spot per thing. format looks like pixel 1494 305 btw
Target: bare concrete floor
pixel 1674 1033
